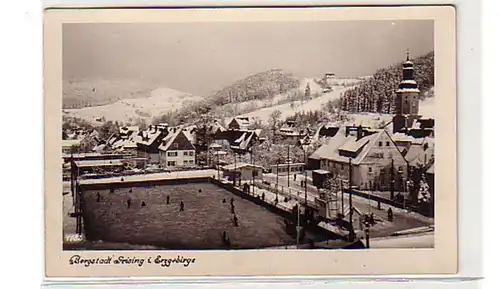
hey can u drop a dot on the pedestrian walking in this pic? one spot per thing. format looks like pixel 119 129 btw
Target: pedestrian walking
pixel 130 191
pixel 168 199
pixel 232 209
pixel 390 215
pixel 182 206
pixel 122 179
pixel 263 196
pixel 294 177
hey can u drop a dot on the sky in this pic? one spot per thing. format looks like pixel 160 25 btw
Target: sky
pixel 201 58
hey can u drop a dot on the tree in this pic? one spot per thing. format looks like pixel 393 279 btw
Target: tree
pixel 423 191
pixel 256 123
pixel 274 120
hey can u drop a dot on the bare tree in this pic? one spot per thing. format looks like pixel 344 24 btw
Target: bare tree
pixel 274 121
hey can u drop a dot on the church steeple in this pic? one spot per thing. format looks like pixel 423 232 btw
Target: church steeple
pixel 408 83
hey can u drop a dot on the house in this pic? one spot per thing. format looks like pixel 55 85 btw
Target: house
pixel 70 145
pixel 371 154
pixel 327 131
pixel 242 171
pixel 290 131
pixel 239 123
pixel 329 79
pixel 149 141
pixel 288 168
pixel 176 150
pixel 420 153
pixel 238 140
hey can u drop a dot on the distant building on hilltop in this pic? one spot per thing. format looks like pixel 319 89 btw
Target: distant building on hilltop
pixel 329 79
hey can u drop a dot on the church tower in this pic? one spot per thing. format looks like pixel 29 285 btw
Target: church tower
pixel 408 93
pixel 407 98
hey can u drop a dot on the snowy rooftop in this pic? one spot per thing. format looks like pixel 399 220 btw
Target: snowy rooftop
pixel 98 163
pixel 70 142
pixel 239 165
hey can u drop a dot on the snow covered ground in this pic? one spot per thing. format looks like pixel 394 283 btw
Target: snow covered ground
pixel 426 108
pixel 288 109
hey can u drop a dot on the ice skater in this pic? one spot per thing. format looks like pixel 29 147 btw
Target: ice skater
pixel 143 204
pixel 98 197
pixel 182 207
pixel 168 200
pixel 199 191
pixel 224 200
pixel 129 203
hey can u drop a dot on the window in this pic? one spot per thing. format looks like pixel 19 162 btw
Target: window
pixel 186 153
pixel 370 170
pixel 191 153
pixel 387 143
pixel 186 162
pixel 171 163
pixel 175 145
pixel 191 162
pixel 172 154
pixel 379 143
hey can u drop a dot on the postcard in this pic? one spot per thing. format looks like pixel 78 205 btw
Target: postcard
pixel 250 142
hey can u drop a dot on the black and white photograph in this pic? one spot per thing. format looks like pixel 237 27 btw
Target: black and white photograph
pixel 311 135
pixel 250 135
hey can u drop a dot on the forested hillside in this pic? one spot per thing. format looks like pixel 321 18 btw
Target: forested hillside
pixel 377 93
pixel 257 86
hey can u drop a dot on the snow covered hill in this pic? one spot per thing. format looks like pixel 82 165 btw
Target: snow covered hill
pixel 160 101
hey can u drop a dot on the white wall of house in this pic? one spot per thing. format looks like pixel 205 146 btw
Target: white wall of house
pixel 177 158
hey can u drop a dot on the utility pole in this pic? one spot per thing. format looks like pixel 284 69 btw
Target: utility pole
pixel 277 174
pixel 288 166
pixel 298 224
pixel 218 166
pixel 253 170
pixel 350 191
pixel 392 179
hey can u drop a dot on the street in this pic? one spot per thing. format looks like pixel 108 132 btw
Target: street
pixel 401 220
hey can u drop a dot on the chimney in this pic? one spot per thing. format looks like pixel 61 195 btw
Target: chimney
pixel 359 133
